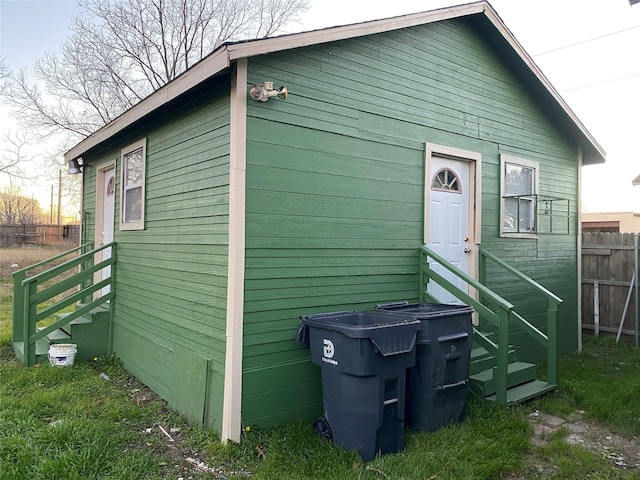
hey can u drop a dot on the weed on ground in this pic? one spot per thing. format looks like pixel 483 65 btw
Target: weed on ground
pixel 604 382
pixel 90 421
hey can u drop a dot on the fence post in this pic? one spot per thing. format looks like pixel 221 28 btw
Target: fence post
pixel 596 308
pixel 635 268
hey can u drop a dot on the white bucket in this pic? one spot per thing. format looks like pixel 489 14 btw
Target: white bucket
pixel 62 354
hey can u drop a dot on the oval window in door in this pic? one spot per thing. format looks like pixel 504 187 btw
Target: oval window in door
pixel 446 180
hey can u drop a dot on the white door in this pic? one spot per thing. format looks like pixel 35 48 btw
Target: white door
pixel 108 219
pixel 449 221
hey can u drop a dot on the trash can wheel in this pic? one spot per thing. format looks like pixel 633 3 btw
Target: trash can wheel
pixel 322 428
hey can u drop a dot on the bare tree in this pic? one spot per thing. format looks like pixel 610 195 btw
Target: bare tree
pixel 16 209
pixel 19 166
pixel 4 75
pixel 120 51
pixel 14 156
pixel 52 175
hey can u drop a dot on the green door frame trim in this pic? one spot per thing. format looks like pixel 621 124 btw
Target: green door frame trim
pixel 232 397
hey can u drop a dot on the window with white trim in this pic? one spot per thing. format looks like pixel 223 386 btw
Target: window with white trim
pixel 132 174
pixel 519 189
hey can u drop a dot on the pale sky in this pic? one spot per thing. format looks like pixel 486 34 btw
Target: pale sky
pixel 589 50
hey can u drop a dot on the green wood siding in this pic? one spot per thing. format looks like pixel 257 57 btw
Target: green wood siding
pixel 171 278
pixel 335 189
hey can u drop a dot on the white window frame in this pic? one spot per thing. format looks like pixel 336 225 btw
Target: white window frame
pixel 520 162
pixel 126 224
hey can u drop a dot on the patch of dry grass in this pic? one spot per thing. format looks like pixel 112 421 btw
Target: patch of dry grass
pixel 17 258
pixel 13 259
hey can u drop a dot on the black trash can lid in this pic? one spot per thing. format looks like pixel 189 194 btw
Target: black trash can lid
pixel 424 311
pixel 391 334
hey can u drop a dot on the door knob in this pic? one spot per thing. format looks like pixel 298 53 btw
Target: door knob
pixel 467 250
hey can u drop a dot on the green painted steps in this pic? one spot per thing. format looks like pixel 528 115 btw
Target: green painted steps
pixel 58 336
pixel 88 332
pixel 481 359
pixel 522 384
pixel 518 373
pixel 527 391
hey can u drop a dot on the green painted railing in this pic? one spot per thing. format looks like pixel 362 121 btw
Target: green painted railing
pixel 496 311
pixel 550 340
pixel 33 294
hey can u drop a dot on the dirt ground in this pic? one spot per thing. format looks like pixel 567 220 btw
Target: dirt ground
pixel 623 453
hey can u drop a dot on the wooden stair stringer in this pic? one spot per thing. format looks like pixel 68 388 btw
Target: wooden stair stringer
pixel 89 332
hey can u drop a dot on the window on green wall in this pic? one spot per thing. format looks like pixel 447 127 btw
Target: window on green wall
pixel 519 189
pixel 132 174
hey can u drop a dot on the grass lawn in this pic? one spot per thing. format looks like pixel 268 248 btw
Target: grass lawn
pixel 72 423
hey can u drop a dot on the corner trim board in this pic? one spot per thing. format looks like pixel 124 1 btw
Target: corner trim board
pixel 232 396
pixel 579 250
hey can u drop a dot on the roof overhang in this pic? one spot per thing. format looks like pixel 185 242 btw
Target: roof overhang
pixel 209 66
pixel 223 57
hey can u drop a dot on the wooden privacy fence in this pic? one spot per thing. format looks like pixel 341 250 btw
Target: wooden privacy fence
pixel 39 234
pixel 607 272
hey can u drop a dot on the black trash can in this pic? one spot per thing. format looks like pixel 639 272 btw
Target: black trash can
pixel 437 383
pixel 363 358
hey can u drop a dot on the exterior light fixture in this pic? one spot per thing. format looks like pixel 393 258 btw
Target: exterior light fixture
pixel 264 91
pixel 75 166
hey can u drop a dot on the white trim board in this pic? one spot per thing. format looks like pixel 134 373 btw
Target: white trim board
pixel 232 396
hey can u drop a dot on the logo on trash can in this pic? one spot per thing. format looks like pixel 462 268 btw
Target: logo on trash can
pixel 328 351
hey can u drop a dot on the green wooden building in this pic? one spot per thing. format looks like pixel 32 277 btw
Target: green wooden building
pixel 411 157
